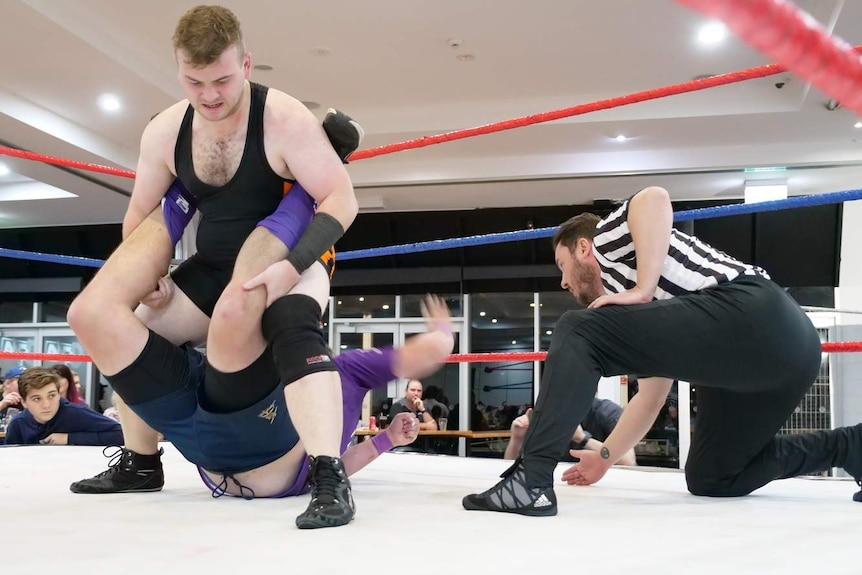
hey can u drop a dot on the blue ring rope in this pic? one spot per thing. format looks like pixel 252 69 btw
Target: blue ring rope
pixel 502 237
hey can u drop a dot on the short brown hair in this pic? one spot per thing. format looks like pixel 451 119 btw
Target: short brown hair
pixel 36 378
pixel 205 32
pixel 573 229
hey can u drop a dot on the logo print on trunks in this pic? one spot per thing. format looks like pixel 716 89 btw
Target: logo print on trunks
pixel 269 413
pixel 183 204
pixel 316 359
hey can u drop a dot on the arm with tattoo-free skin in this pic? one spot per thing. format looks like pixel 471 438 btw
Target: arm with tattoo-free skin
pixel 154 175
pixel 306 154
pixel 650 220
pixel 420 356
pixel 402 431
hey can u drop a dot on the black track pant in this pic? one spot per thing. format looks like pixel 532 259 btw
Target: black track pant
pixel 747 346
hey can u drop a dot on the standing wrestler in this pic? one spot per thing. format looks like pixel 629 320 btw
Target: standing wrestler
pixel 238 148
pixel 665 304
pixel 235 427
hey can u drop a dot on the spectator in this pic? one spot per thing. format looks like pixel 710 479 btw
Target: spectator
pixel 51 419
pixel 68 389
pixel 11 397
pixel 412 403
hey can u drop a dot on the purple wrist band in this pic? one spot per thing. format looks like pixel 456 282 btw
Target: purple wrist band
pixel 382 442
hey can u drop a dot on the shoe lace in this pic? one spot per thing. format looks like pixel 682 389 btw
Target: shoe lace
pixel 221 488
pixel 116 457
pixel 326 484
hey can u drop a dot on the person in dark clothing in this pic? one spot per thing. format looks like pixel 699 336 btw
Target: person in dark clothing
pixel 52 420
pixel 666 304
pixel 595 428
pixel 255 161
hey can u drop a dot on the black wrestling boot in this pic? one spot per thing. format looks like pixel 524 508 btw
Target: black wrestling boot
pixel 331 498
pixel 128 472
pixel 345 134
pixel 511 495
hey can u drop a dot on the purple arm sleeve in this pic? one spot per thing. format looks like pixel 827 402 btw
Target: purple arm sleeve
pixel 178 208
pixel 291 217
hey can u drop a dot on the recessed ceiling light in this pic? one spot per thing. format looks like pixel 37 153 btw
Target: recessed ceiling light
pixel 343 346
pixel 339 302
pixel 482 314
pixel 532 304
pixel 494 320
pixel 514 342
pixel 263 67
pixel 857 125
pixel 712 33
pixel 620 138
pixel 549 332
pixel 385 306
pixel 361 299
pixel 109 103
pixel 4 170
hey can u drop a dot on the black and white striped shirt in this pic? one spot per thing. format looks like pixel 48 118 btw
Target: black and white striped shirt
pixel 691 265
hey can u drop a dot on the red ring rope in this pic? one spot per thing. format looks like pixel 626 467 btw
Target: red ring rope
pixel 829 347
pixel 785 33
pixel 691 86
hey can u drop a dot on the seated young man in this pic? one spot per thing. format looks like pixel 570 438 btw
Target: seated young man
pixel 233 424
pixel 51 419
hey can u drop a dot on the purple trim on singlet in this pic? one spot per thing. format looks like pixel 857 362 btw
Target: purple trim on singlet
pixel 360 370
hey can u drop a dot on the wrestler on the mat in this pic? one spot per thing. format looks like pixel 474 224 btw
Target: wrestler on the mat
pixel 238 146
pixel 234 426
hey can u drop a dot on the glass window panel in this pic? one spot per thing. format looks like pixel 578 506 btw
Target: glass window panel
pixel 13 343
pixel 410 305
pixel 500 390
pixel 368 306
pixel 16 312
pixel 551 306
pixel 54 311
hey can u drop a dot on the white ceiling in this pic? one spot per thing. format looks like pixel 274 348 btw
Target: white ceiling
pixel 391 67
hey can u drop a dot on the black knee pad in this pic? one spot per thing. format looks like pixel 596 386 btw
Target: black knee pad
pixel 231 392
pixel 291 327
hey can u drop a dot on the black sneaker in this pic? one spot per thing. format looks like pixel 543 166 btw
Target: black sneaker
pixel 345 133
pixel 858 495
pixel 128 472
pixel 511 495
pixel 331 499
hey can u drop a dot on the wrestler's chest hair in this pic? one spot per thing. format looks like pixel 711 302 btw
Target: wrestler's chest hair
pixel 217 157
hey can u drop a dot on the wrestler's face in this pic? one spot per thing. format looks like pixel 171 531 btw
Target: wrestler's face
pixel 580 275
pixel 215 91
pixel 44 403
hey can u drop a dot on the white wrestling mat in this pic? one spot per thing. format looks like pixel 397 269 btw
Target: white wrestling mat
pixel 409 520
